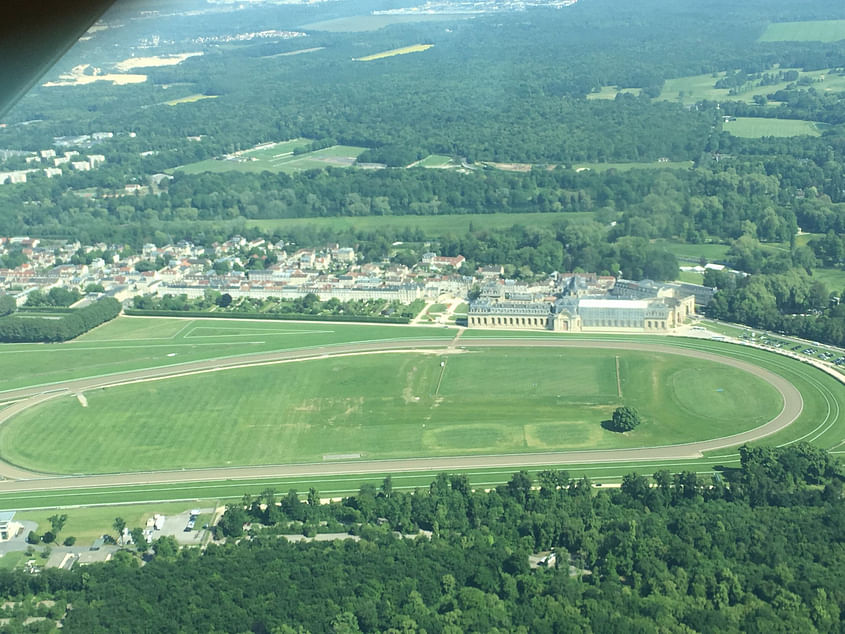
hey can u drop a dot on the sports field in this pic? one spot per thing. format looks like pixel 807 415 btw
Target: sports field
pixel 810 31
pixel 758 127
pixel 171 344
pixel 379 406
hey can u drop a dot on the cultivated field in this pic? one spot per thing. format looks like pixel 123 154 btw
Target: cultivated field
pixel 817 30
pixel 414 48
pixel 758 127
pixel 397 405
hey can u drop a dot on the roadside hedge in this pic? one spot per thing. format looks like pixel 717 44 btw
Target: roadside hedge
pixel 279 316
pixel 16 329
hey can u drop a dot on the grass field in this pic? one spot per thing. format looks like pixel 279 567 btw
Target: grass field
pixel 624 167
pixel 758 127
pixel 88 524
pixel 388 406
pixel 810 31
pixel 610 92
pixel 433 226
pixel 189 99
pixel 128 343
pixel 361 23
pixel 694 252
pixel 278 157
pixel 405 50
pixel 141 343
pixel 691 277
pixel 694 88
pixel 833 278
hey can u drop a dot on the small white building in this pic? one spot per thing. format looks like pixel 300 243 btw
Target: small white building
pixel 9 528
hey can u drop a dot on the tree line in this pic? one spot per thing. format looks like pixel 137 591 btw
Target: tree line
pixel 34 329
pixel 758 547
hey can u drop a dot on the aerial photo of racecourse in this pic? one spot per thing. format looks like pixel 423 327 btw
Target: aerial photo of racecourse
pixel 384 316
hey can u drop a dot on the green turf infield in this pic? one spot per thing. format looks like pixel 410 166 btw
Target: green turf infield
pixel 396 405
pixel 128 343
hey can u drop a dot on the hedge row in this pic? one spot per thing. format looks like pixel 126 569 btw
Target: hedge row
pixel 280 316
pixel 14 329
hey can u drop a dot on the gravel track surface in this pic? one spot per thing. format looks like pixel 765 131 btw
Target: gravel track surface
pixel 18 479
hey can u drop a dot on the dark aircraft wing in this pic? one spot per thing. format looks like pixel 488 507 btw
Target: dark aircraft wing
pixel 34 34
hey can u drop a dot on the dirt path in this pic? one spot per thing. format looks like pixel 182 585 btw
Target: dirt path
pixel 18 479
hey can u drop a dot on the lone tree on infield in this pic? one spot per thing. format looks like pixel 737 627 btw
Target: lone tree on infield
pixel 624 419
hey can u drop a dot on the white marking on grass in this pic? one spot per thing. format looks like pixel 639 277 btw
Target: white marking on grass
pixel 82 400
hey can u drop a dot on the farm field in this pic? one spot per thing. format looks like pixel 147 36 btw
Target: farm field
pixel 432 225
pixel 809 31
pixel 128 343
pixel 758 127
pixel 392 405
pixel 278 157
pixel 405 50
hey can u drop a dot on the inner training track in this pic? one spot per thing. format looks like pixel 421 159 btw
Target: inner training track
pixel 18 479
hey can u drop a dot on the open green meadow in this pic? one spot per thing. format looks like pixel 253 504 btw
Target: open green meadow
pixel 624 167
pixel 695 252
pixel 810 31
pixel 397 405
pixel 361 23
pixel 130 343
pixel 278 157
pixel 694 88
pixel 834 279
pixel 433 226
pixel 758 127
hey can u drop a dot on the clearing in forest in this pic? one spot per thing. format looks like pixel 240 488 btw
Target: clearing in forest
pixel 414 48
pixel 758 127
pixel 810 31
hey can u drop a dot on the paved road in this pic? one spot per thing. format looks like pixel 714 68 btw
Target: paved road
pixel 18 479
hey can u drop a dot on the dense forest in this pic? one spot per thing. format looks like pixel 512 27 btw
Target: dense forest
pixel 758 548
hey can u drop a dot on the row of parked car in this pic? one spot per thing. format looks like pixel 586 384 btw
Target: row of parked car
pixel 824 355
